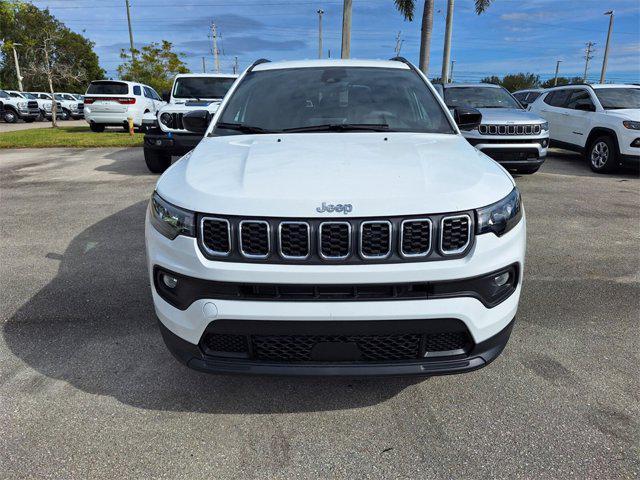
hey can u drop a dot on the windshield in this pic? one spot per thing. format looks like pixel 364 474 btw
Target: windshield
pixel 618 98
pixel 15 95
pixel 30 96
pixel 202 87
pixel 351 98
pixel 479 97
pixel 4 94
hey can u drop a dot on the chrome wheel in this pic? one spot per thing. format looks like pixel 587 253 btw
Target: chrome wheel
pixel 10 117
pixel 599 155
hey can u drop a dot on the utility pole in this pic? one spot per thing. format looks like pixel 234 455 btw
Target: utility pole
pixel 606 48
pixel 587 57
pixel 214 39
pixel 320 13
pixel 555 78
pixel 346 29
pixel 15 59
pixel 204 67
pixel 133 51
pixel 235 65
pixel 447 43
pixel 453 62
pixel 399 43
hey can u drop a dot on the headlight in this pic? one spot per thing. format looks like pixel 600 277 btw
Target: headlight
pixel 502 216
pixel 544 127
pixel 166 119
pixel 22 105
pixel 170 220
pixel 74 106
pixel 47 106
pixel 631 124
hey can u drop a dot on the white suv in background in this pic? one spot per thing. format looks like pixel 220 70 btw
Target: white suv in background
pixel 113 102
pixel 603 121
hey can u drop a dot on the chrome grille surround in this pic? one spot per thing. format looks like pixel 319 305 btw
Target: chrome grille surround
pixel 241 235
pixel 294 257
pixel 524 129
pixel 209 250
pixel 469 234
pixel 389 243
pixel 320 243
pixel 401 243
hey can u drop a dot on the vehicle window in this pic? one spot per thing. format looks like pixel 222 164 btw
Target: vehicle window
pixel 69 97
pixel 532 96
pixel 557 98
pixel 103 87
pixel 279 100
pixel 30 96
pixel 147 92
pixel 137 90
pixel 578 96
pixel 479 97
pixel 155 95
pixel 4 94
pixel 202 87
pixel 57 96
pixel 15 95
pixel 520 95
pixel 618 98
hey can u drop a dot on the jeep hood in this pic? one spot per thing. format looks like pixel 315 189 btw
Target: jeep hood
pixel 508 116
pixel 379 174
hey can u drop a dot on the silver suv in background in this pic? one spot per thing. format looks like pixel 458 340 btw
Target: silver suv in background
pixel 512 136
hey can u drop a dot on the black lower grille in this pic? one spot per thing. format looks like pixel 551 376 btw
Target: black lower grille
pixel 455 233
pixel 32 104
pixel 409 343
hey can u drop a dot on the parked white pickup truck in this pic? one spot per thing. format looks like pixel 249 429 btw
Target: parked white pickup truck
pixel 17 107
pixel 167 136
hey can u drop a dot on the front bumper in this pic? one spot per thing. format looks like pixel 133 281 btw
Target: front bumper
pixel 29 114
pixel 174 143
pixel 187 326
pixel 480 356
pixel 512 151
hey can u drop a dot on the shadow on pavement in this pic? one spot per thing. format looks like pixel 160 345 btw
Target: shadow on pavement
pixel 94 327
pixel 126 161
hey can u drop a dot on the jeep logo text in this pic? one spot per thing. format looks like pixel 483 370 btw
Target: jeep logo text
pixel 339 208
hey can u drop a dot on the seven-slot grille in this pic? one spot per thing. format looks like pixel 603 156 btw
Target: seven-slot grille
pixel 176 121
pixel 455 234
pixel 529 129
pixel 350 241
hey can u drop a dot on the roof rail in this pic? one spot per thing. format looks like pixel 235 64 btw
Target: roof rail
pixel 406 62
pixel 256 63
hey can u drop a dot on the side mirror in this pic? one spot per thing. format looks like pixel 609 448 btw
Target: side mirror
pixel 467 118
pixel 166 96
pixel 196 121
pixel 585 106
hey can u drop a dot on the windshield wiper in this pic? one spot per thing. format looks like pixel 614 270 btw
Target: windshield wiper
pixel 243 128
pixel 341 127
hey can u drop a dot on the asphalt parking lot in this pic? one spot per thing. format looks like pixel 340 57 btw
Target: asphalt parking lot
pixel 87 388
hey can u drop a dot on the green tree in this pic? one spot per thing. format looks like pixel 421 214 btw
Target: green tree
pixel 155 65
pixel 515 81
pixel 407 9
pixel 561 81
pixel 25 24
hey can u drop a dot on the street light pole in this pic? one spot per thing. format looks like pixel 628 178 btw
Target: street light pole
pixel 320 12
pixel 133 54
pixel 447 43
pixel 606 48
pixel 555 78
pixel 15 59
pixel 347 6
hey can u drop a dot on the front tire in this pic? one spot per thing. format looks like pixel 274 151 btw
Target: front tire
pixel 96 127
pixel 157 162
pixel 10 116
pixel 602 154
pixel 63 115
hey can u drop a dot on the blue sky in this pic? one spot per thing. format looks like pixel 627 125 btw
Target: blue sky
pixel 512 36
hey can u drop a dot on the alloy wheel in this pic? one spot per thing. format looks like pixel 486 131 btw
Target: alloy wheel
pixel 599 155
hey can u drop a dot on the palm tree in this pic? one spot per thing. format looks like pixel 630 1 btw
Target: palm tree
pixel 407 7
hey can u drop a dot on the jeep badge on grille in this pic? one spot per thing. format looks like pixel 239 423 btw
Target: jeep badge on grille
pixel 345 208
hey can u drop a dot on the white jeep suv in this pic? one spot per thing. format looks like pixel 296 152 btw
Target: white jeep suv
pixel 603 121
pixel 334 221
pixel 113 102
